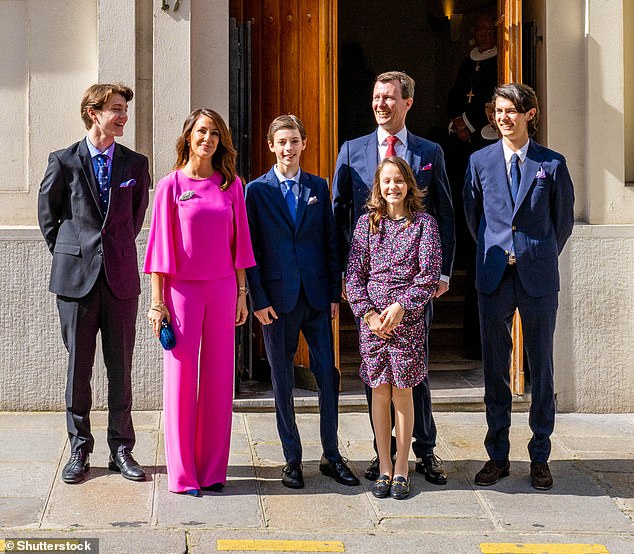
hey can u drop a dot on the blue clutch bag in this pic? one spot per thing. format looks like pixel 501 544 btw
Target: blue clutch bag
pixel 166 336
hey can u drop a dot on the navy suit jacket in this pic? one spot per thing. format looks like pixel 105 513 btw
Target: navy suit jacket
pixel 354 175
pixel 78 235
pixel 536 228
pixel 288 254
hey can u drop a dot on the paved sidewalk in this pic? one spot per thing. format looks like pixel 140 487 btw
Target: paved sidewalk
pixel 592 502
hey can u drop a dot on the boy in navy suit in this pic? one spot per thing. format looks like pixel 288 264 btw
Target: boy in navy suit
pixel 296 286
pixel 518 200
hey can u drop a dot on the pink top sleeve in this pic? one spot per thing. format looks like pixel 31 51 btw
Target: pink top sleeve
pixel 198 231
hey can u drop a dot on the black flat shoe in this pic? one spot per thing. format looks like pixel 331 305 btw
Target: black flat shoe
pixel 216 487
pixel 381 487
pixel 400 487
pixel 372 472
pixel 124 463
pixel 339 471
pixel 292 476
pixel 76 468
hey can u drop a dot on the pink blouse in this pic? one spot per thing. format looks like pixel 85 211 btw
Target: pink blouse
pixel 198 231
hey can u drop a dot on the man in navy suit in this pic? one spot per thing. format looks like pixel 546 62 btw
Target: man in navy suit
pixel 518 200
pixel 358 159
pixel 91 206
pixel 296 286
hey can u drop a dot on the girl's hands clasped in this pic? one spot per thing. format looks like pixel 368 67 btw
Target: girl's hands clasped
pixel 391 318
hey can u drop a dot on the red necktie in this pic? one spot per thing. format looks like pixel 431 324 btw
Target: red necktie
pixel 391 141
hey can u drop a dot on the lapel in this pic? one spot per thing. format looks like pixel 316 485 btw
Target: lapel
pixel 273 187
pixel 414 154
pixel 304 194
pixel 89 173
pixel 371 153
pixel 530 168
pixel 501 177
pixel 116 175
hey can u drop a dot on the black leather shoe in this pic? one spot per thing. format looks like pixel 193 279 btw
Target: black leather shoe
pixel 339 471
pixel 124 463
pixel 216 487
pixel 491 473
pixel 292 476
pixel 76 468
pixel 372 473
pixel 541 478
pixel 400 487
pixel 431 467
pixel 381 487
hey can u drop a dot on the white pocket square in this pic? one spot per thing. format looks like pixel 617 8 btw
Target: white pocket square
pixel 126 184
pixel 312 200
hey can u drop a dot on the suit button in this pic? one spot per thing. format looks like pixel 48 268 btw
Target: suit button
pixel 513 228
pixel 100 252
pixel 506 252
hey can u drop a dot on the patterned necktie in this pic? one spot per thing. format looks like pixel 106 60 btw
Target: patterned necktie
pixel 103 181
pixel 391 141
pixel 290 198
pixel 515 176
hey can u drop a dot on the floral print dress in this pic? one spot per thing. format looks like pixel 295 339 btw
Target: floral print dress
pixel 400 263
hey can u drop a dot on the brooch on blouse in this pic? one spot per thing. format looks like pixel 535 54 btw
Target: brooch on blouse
pixel 186 195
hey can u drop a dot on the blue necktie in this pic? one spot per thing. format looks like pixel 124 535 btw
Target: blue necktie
pixel 290 198
pixel 515 176
pixel 103 181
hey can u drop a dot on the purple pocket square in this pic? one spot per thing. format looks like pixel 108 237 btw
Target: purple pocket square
pixel 126 184
pixel 425 167
pixel 541 174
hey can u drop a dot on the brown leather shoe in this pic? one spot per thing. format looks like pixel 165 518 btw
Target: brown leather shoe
pixel 491 473
pixel 541 479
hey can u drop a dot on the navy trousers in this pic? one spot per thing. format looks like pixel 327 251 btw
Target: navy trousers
pixel 280 340
pixel 538 325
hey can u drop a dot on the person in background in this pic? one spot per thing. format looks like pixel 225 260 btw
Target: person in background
pixel 296 286
pixel 393 271
pixel 198 249
pixel 91 206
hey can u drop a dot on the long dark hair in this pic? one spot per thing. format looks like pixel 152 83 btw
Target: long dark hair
pixel 224 158
pixel 414 199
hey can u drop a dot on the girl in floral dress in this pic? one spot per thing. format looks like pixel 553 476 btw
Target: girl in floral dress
pixel 393 270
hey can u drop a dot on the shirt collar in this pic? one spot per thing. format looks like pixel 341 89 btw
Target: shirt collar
pixel 382 134
pixel 281 177
pixel 94 151
pixel 508 153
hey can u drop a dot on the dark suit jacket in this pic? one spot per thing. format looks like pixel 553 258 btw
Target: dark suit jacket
pixel 354 174
pixel 288 254
pixel 75 230
pixel 537 227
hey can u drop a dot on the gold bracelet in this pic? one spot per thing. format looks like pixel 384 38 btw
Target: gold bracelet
pixel 156 309
pixel 243 290
pixel 367 315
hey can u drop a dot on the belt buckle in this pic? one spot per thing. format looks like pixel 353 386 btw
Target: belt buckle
pixel 512 259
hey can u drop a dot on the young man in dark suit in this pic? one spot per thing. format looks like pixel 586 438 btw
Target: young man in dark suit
pixel 296 285
pixel 519 201
pixel 91 206
pixel 392 97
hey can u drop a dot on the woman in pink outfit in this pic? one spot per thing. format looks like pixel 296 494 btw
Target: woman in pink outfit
pixel 198 248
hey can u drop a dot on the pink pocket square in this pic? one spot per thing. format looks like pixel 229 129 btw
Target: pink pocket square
pixel 541 174
pixel 426 167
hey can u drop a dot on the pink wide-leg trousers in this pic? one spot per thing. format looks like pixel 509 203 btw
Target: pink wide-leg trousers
pixel 198 381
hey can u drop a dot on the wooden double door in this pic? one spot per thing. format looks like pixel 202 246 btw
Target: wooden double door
pixel 294 69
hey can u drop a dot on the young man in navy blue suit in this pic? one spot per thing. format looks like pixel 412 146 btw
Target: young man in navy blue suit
pixel 392 97
pixel 296 286
pixel 518 200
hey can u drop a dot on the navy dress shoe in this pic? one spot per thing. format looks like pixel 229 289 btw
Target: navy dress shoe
pixel 76 468
pixel 191 492
pixel 431 467
pixel 400 487
pixel 124 463
pixel 339 471
pixel 292 476
pixel 381 487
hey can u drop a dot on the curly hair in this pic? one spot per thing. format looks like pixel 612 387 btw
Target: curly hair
pixel 223 159
pixel 414 199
